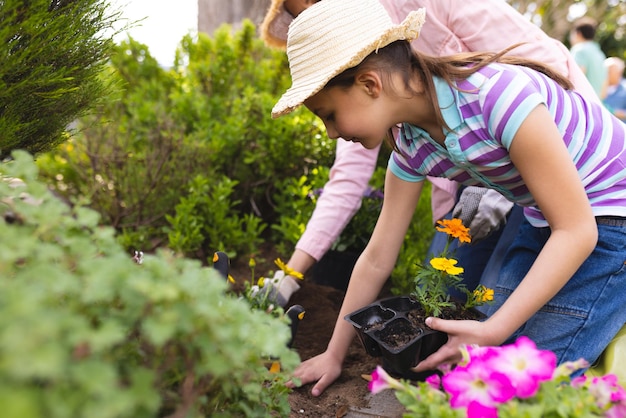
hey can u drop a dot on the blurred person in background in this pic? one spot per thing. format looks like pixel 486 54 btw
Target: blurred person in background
pixel 588 55
pixel 615 98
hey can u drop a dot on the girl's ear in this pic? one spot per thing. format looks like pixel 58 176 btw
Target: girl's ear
pixel 371 82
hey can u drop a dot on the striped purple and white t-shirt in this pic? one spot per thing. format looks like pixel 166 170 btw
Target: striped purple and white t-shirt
pixel 484 114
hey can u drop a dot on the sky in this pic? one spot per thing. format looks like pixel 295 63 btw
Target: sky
pixel 165 24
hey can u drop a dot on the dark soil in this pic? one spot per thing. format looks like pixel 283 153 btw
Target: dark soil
pixel 322 304
pixel 417 316
pixel 399 334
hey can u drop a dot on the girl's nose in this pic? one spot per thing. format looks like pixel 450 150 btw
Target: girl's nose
pixel 332 132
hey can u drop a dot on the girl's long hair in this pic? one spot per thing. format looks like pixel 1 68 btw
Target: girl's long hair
pixel 399 57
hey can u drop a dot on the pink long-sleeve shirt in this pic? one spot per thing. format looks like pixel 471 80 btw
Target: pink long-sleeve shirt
pixel 452 26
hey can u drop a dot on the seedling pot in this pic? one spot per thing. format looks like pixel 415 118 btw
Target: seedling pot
pixel 387 328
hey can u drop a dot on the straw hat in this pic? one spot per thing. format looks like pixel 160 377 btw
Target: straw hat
pixel 276 24
pixel 334 35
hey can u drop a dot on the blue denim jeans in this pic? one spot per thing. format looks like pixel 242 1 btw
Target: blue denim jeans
pixel 581 320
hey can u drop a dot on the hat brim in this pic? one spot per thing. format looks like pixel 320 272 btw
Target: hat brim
pixel 301 90
pixel 275 25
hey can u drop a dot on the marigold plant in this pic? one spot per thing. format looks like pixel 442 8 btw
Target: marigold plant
pixel 434 281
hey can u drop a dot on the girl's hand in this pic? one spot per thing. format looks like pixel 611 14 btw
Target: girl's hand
pixel 323 368
pixel 460 333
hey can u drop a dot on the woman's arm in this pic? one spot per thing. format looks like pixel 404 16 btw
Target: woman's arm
pixel 340 200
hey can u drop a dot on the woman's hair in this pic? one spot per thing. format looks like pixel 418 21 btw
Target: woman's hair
pixel 399 57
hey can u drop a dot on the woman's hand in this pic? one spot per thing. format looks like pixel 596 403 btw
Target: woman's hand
pixel 460 333
pixel 323 369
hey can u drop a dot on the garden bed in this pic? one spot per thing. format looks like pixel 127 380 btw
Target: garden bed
pixel 322 304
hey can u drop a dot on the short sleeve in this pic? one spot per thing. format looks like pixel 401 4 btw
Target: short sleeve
pixel 400 168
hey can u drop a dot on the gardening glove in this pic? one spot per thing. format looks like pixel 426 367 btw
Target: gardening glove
pixel 280 288
pixel 482 210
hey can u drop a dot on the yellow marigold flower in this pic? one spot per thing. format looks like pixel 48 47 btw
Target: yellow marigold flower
pixel 288 270
pixel 275 367
pixel 446 264
pixel 261 281
pixel 251 263
pixel 483 294
pixel 455 228
pixel 231 279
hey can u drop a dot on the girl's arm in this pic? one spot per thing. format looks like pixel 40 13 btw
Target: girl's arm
pixel 539 153
pixel 379 257
pixel 370 272
pixel 340 200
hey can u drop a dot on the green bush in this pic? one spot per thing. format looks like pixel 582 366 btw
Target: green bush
pixel 86 332
pixel 204 219
pixel 209 115
pixel 295 201
pixel 51 55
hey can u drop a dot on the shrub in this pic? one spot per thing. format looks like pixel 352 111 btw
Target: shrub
pixel 209 115
pixel 85 332
pixel 204 220
pixel 295 200
pixel 52 53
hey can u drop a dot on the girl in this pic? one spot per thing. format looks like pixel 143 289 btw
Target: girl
pixel 479 120
pixel 453 26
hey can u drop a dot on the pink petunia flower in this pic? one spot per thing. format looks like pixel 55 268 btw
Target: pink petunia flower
pixel 476 383
pixel 488 378
pixel 616 411
pixel 618 394
pixel 524 365
pixel 382 381
pixel 579 381
pixel 606 390
pixel 477 353
pixel 477 410
pixel 434 381
pixel 566 369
